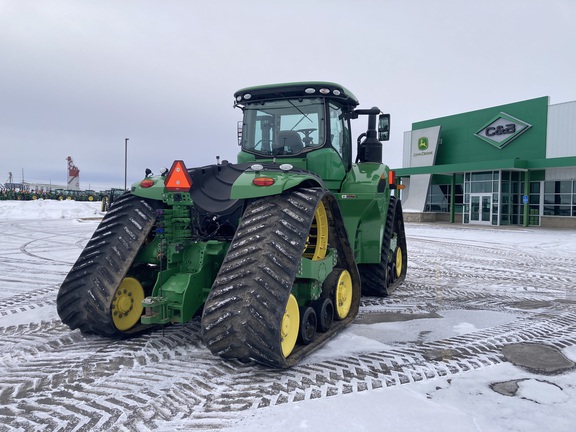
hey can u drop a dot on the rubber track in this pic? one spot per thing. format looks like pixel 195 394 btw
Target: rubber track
pixel 85 296
pixel 375 276
pixel 244 309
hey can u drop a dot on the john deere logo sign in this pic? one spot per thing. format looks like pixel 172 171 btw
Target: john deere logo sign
pixel 502 129
pixel 422 143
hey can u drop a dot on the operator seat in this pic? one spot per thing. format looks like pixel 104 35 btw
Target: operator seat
pixel 288 142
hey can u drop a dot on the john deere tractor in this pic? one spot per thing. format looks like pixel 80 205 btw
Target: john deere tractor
pixel 272 252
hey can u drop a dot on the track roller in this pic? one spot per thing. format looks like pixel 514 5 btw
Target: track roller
pixel 308 324
pixel 341 292
pixel 324 308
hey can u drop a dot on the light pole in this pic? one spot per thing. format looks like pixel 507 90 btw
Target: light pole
pixel 125 162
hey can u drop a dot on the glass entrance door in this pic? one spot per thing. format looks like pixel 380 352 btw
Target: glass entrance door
pixel 480 208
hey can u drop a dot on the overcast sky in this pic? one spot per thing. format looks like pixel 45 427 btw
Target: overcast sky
pixel 77 77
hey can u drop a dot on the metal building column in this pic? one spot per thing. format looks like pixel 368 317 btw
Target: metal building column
pixel 527 194
pixel 452 197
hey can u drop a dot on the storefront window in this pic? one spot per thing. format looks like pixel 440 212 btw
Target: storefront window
pixel 439 196
pixel 481 187
pixel 556 210
pixel 480 177
pixel 555 187
pixel 559 198
pixel 534 218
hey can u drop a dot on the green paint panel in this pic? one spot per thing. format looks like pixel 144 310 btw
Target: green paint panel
pixel 460 144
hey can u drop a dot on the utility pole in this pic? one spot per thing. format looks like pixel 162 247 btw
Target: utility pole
pixel 125 163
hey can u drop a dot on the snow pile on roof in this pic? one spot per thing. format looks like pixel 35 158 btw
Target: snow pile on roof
pixel 49 209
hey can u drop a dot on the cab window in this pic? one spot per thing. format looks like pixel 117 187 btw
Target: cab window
pixel 283 127
pixel 339 134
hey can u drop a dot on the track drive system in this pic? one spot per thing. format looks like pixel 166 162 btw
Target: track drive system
pixel 251 311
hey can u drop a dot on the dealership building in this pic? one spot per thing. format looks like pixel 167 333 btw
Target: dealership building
pixel 512 164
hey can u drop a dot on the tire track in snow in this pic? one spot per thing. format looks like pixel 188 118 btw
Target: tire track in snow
pixel 56 379
pixel 139 380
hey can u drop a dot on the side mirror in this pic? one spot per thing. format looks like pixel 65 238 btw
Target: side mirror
pixel 384 127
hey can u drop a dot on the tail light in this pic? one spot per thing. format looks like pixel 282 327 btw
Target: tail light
pixel 263 181
pixel 392 181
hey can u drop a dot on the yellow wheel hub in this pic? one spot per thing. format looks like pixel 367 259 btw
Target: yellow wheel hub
pixel 317 241
pixel 399 262
pixel 127 304
pixel 290 326
pixel 343 294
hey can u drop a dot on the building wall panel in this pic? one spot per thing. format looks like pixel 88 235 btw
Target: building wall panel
pixel 561 133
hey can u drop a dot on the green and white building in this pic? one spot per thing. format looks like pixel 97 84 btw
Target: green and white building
pixel 512 164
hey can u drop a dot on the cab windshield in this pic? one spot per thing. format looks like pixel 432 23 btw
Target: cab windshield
pixel 283 127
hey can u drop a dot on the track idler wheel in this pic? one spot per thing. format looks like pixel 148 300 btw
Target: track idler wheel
pixel 127 304
pixel 289 330
pixel 399 263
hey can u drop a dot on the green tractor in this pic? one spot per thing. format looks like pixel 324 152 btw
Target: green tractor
pixel 273 251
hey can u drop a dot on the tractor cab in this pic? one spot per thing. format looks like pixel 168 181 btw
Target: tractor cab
pixel 308 123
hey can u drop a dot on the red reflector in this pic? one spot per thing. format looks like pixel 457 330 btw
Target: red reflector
pixel 146 183
pixel 391 177
pixel 263 181
pixel 178 179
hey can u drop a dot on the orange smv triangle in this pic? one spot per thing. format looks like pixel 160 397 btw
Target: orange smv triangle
pixel 178 179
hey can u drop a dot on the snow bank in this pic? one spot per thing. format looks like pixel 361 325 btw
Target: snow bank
pixel 49 209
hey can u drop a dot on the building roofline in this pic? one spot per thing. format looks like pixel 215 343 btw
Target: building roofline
pixel 495 165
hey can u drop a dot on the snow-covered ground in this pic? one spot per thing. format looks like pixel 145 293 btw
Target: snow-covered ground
pixel 428 358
